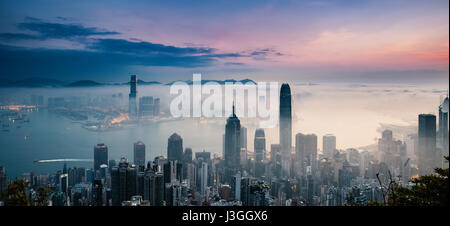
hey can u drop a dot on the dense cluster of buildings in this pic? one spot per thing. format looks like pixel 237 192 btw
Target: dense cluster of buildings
pixel 148 106
pixel 292 172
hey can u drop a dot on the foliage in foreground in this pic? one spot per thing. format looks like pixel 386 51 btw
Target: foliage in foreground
pixel 428 190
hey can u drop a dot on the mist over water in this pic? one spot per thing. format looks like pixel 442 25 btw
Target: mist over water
pixel 355 113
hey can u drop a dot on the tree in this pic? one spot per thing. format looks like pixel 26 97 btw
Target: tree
pixel 16 194
pixel 428 190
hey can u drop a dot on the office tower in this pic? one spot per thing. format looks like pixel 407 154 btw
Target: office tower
pixel 154 188
pixel 285 127
pixel 156 107
pixel 345 175
pixel 140 183
pixel 427 144
pixel 98 193
pixel 190 172
pixel 123 180
pixel 132 107
pixel 100 156
pixel 389 150
pixel 203 178
pixel 175 148
pixel 146 106
pixel 236 187
pixel 243 152
pixel 443 127
pixel 245 184
pixel 149 175
pixel 232 146
pixel 64 183
pixel 306 152
pixel 139 154
pixel 173 171
pixel 158 194
pixel 260 145
pixel 328 145
pixel 187 155
pixel 243 156
pixel 386 146
pixel 71 174
pixel 243 138
pixel 3 180
pixel 300 154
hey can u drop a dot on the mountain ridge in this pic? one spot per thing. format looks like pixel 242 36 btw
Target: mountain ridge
pixel 39 82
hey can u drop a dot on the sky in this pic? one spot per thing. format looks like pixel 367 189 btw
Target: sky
pixel 357 41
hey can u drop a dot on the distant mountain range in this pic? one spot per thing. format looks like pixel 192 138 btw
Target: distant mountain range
pixel 37 82
pixel 31 82
pixel 221 82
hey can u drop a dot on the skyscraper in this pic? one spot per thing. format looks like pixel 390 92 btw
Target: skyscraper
pixel 100 155
pixel 3 180
pixel 388 149
pixel 306 152
pixel 243 138
pixel 328 145
pixel 156 108
pixel 285 126
pixel 311 151
pixel 243 152
pixel 173 171
pixel 132 107
pixel 300 153
pixel 154 188
pixel 123 182
pixel 175 148
pixel 203 178
pixel 427 144
pixel 146 106
pixel 260 145
pixel 443 127
pixel 187 155
pixel 139 154
pixel 232 146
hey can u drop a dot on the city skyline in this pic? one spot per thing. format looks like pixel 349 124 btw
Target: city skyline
pixel 137 184
pixel 254 103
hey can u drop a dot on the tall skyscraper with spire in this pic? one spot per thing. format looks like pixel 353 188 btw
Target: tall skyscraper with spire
pixel 132 106
pixel 232 146
pixel 285 127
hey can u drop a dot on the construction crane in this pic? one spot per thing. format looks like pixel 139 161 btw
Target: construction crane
pixel 63 160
